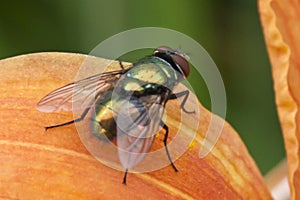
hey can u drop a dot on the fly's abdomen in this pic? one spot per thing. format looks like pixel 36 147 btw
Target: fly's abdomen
pixel 103 124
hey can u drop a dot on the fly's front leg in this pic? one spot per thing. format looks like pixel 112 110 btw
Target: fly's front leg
pixel 185 95
pixel 165 144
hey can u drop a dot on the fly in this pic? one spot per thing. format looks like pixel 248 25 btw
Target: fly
pixel 139 94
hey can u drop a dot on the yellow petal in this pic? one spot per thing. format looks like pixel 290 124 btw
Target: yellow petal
pixel 281 26
pixel 55 165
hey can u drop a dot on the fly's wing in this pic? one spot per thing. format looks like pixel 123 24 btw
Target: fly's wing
pixel 136 128
pixel 80 94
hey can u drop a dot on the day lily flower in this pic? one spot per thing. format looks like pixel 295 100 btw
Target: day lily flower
pixel 54 164
pixel 280 21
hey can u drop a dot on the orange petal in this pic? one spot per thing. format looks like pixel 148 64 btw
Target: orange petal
pixel 281 26
pixel 55 165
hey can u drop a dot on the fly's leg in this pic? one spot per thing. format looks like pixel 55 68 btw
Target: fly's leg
pixel 185 95
pixel 121 64
pixel 72 121
pixel 165 144
pixel 84 113
pixel 125 176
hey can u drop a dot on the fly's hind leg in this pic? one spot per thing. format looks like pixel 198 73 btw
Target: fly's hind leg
pixel 70 122
pixel 121 64
pixel 165 144
pixel 84 113
pixel 125 176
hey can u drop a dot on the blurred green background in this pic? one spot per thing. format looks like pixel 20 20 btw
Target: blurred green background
pixel 229 30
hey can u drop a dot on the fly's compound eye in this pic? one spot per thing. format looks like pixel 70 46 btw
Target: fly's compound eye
pixel 179 58
pixel 163 49
pixel 182 63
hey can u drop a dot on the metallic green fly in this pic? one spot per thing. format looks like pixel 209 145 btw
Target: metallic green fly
pixel 136 96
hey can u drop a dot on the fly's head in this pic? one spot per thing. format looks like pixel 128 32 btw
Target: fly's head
pixel 177 59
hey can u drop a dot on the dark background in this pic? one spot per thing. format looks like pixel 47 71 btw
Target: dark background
pixel 229 30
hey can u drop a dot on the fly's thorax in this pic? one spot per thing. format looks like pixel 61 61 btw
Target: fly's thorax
pixel 149 74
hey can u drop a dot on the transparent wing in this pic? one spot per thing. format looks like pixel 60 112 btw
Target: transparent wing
pixel 78 95
pixel 136 128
